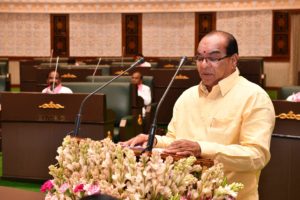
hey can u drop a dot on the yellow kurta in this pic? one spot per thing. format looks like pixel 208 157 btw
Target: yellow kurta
pixel 232 124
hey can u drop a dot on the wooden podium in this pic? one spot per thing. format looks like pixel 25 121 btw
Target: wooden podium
pixel 34 125
pixel 280 178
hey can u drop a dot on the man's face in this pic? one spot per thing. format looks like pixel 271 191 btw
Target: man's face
pixel 216 65
pixel 53 77
pixel 136 78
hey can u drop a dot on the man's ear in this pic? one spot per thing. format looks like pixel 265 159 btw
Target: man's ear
pixel 234 59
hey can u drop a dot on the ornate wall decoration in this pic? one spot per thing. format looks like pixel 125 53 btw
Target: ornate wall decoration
pixel 95 35
pixel 281 34
pixel 132 34
pixel 141 6
pixel 205 23
pixel 252 29
pixel 60 35
pixel 24 34
pixel 168 34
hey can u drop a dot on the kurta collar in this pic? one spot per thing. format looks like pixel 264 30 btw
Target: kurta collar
pixel 223 86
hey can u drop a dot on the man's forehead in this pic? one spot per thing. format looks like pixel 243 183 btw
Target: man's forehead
pixel 210 52
pixel 212 44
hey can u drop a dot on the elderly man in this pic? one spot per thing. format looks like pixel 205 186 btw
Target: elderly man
pixel 225 117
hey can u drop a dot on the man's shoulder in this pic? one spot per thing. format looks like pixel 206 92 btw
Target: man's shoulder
pixel 190 91
pixel 145 86
pixel 249 87
pixel 66 90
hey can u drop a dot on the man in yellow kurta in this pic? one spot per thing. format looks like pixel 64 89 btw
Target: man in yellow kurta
pixel 225 117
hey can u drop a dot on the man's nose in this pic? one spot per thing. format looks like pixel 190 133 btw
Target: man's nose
pixel 204 63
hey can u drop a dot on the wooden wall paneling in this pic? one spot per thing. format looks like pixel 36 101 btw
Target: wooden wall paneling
pixel 131 34
pixel 204 23
pixel 60 35
pixel 281 34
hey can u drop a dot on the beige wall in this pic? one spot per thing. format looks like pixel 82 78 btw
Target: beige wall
pixel 172 35
pixel 277 73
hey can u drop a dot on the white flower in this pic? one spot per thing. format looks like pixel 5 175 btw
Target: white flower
pixel 102 166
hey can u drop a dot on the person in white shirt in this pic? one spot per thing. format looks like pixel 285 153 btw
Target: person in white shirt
pixel 143 90
pixel 145 63
pixel 54 84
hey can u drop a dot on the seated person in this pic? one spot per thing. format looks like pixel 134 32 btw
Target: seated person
pixel 54 84
pixel 143 90
pixel 294 97
pixel 145 63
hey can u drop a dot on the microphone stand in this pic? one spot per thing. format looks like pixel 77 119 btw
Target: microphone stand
pixel 154 123
pixel 78 116
pixel 96 70
pixel 55 72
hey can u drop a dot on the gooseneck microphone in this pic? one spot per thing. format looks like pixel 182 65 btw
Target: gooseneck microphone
pixel 52 87
pixel 153 127
pixel 78 117
pixel 93 79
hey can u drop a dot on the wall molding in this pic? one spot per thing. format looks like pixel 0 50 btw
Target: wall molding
pixel 142 6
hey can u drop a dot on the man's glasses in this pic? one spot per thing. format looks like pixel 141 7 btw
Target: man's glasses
pixel 200 58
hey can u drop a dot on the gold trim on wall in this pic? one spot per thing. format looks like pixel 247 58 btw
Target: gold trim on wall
pixel 141 6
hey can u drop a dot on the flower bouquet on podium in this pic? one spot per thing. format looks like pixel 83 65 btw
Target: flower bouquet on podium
pixel 86 167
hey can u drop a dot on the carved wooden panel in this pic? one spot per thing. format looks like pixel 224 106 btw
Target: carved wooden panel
pixel 131 34
pixel 60 34
pixel 281 34
pixel 205 23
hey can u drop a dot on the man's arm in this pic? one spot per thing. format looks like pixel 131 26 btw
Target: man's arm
pixel 251 152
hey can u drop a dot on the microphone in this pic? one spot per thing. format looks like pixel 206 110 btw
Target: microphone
pixel 154 123
pixel 78 117
pixel 54 78
pixel 96 70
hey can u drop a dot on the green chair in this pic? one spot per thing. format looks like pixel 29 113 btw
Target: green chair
pixel 120 100
pixel 286 91
pixel 147 80
pixel 3 83
pixel 4 72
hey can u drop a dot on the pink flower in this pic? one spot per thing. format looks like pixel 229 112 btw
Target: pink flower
pixel 93 189
pixel 48 185
pixel 63 187
pixel 294 97
pixel 79 188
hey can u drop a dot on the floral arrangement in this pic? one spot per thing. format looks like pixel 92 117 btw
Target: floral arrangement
pixel 87 167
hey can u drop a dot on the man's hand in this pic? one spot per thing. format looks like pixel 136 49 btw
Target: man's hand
pixel 140 139
pixel 184 148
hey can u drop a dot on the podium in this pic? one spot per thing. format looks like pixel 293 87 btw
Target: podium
pixel 280 178
pixel 34 125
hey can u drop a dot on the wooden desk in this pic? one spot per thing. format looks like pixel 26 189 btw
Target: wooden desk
pixel 33 78
pixel 32 132
pixel 280 179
